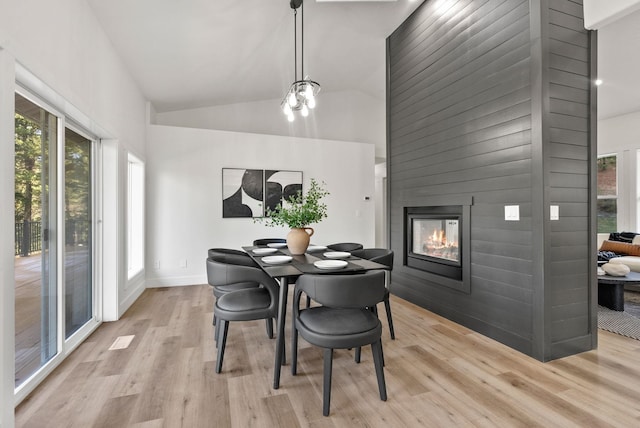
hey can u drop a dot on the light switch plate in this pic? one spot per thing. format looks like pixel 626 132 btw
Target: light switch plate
pixel 512 212
pixel 554 212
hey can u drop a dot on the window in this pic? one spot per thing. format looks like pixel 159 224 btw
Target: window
pixel 607 205
pixel 135 217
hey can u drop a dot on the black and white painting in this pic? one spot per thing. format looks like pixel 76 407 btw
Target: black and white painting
pixel 242 192
pixel 280 186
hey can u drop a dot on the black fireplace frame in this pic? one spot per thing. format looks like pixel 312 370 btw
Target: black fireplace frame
pixel 433 269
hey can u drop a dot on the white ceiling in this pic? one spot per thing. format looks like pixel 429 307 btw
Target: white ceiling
pixel 194 53
pixel 619 66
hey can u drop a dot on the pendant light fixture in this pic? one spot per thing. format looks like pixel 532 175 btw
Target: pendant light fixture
pixel 301 95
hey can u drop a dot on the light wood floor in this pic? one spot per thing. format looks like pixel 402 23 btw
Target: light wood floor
pixel 438 374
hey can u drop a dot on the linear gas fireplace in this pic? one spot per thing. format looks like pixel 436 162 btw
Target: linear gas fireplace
pixel 437 243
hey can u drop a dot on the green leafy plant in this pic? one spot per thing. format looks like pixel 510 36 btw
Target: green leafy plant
pixel 300 211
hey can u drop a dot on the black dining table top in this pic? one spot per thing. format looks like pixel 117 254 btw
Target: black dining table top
pixel 303 264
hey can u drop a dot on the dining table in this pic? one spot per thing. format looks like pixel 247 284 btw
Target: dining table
pixel 285 268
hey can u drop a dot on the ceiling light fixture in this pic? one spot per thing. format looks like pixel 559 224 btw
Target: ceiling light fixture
pixel 301 95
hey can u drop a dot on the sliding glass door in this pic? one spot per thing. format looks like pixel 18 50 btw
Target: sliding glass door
pixel 78 231
pixel 36 141
pixel 54 230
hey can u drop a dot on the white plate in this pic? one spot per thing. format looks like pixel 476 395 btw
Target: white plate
pixel 277 245
pixel 264 251
pixel 276 260
pixel 330 264
pixel 337 255
pixel 314 248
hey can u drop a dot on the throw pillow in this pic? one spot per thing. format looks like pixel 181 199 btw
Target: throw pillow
pixel 621 248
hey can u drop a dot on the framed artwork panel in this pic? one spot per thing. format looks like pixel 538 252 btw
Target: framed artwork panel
pixel 242 192
pixel 280 185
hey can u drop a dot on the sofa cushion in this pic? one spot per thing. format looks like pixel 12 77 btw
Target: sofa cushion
pixel 624 248
pixel 628 237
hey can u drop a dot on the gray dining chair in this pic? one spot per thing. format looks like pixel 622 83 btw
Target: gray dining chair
pixel 383 256
pixel 234 257
pixel 345 320
pixel 242 305
pixel 266 241
pixel 345 246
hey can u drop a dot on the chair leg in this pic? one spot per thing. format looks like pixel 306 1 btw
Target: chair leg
pixel 294 348
pixel 326 388
pixel 387 307
pixel 376 350
pixel 269 322
pixel 357 355
pixel 216 332
pixel 224 328
pixel 308 302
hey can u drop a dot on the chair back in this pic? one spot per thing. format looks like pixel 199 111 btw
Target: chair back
pixel 344 291
pixel 234 257
pixel 265 241
pixel 383 256
pixel 221 273
pixel 345 246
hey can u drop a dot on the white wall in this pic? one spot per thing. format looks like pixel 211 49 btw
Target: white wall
pixel 64 53
pixel 621 135
pixel 345 116
pixel 184 194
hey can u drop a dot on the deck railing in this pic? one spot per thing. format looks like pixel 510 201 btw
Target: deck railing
pixel 28 238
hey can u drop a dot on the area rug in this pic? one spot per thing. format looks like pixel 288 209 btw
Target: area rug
pixel 622 323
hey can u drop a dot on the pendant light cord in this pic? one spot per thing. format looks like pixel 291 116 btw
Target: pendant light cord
pixel 295 45
pixel 302 42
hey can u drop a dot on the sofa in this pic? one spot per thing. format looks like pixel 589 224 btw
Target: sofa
pixel 624 246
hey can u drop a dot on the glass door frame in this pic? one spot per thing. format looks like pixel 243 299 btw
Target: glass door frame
pixel 66 346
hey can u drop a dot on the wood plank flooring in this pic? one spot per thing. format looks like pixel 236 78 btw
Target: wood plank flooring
pixel 438 374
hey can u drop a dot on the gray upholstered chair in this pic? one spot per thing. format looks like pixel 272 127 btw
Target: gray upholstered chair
pixel 345 320
pixel 383 256
pixel 241 305
pixel 265 241
pixel 227 255
pixel 345 246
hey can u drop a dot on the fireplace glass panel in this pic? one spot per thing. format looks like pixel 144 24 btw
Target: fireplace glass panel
pixel 436 238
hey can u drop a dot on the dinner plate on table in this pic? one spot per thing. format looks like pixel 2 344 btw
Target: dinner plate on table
pixel 337 255
pixel 330 264
pixel 314 248
pixel 276 260
pixel 277 245
pixel 264 251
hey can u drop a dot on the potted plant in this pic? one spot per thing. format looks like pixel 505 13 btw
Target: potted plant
pixel 297 213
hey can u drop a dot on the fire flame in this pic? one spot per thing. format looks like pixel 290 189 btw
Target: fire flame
pixel 439 238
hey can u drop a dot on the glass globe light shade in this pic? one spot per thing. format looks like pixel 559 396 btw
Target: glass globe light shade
pixel 304 111
pixel 292 100
pixel 311 102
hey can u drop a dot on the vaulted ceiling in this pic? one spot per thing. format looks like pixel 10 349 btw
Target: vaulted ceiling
pixel 195 53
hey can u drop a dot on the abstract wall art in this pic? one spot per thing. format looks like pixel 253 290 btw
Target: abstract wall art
pixel 246 192
pixel 280 186
pixel 242 192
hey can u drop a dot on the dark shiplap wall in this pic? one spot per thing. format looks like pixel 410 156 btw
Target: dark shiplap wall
pixel 490 99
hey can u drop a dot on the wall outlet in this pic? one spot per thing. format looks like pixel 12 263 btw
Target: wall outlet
pixel 156 264
pixel 183 263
